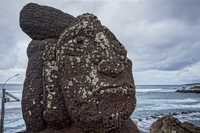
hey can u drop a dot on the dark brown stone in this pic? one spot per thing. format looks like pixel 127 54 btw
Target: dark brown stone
pixel 80 83
pixel 42 22
pixel 169 124
pixel 32 106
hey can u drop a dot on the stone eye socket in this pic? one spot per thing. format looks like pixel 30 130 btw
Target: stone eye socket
pixel 80 42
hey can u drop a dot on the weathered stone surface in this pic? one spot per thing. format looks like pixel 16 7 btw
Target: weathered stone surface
pixel 97 83
pixel 55 113
pixel 81 82
pixel 32 100
pixel 42 22
pixel 169 124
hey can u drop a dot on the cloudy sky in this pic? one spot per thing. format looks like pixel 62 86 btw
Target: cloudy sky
pixel 162 36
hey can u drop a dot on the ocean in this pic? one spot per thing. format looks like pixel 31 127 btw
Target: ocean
pixel 153 102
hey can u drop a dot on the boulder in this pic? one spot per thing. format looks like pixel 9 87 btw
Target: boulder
pixel 80 82
pixel 169 124
pixel 42 22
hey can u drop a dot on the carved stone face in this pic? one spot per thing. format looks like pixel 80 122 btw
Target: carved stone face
pixel 96 75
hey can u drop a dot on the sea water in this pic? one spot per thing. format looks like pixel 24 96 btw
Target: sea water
pixel 153 102
pixel 13 120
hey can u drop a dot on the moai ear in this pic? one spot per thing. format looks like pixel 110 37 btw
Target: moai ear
pixel 32 97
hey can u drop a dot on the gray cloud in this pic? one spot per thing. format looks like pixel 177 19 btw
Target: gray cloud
pixel 161 36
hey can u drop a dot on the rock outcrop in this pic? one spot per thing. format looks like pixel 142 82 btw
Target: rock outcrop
pixel 169 124
pixel 78 79
pixel 194 89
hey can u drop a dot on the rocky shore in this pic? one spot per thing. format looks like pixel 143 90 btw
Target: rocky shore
pixel 194 89
pixel 169 124
pixel 156 116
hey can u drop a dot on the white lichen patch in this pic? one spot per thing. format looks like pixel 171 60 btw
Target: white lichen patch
pixel 88 79
pixel 85 23
pixel 112 115
pixel 29 112
pixel 87 60
pixel 117 114
pixel 50 96
pixel 70 83
pixel 48 104
pixel 33 101
pixel 102 91
pixel 50 66
pixel 102 40
pixel 89 93
pixel 93 75
pixel 75 80
pixel 84 93
pixel 78 59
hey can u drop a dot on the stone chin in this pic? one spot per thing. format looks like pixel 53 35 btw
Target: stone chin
pixel 105 110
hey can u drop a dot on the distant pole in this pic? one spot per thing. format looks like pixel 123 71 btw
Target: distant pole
pixel 2 110
pixel 3 102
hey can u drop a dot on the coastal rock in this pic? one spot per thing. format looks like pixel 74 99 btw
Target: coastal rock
pixel 169 124
pixel 42 22
pixel 194 89
pixel 80 82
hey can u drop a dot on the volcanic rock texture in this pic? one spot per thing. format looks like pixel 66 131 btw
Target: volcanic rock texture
pixel 169 124
pixel 78 79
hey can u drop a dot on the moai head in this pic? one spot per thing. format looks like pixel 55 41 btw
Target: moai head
pixel 95 75
pixel 78 78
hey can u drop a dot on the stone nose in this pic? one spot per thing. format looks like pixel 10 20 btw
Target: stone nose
pixel 111 68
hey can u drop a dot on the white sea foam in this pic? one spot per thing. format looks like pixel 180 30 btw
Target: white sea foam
pixel 148 90
pixel 155 90
pixel 167 101
pixel 169 106
pixel 144 125
pixel 187 100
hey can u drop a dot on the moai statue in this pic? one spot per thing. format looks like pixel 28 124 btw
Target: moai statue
pixel 79 78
